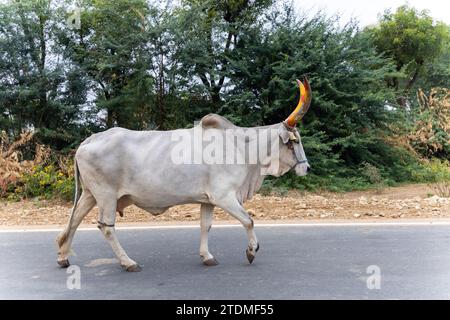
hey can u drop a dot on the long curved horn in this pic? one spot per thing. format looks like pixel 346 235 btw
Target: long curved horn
pixel 308 97
pixel 303 104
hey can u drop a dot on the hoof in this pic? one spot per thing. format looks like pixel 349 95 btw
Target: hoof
pixel 63 263
pixel 210 262
pixel 134 268
pixel 250 256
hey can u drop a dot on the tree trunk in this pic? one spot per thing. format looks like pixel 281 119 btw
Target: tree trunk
pixel 215 95
pixel 413 79
pixel 160 97
pixel 110 114
pixel 43 104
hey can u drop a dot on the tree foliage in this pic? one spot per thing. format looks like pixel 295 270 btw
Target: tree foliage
pixel 37 89
pixel 414 40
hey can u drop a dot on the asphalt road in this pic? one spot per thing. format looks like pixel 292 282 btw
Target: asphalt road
pixel 295 262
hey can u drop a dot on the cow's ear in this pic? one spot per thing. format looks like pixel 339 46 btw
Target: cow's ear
pixel 284 135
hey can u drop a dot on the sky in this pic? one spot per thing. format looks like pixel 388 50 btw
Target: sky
pixel 366 11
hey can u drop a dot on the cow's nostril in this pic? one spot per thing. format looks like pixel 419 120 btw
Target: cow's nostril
pixel 308 169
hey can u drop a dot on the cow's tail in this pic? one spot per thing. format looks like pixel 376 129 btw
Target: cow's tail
pixel 63 235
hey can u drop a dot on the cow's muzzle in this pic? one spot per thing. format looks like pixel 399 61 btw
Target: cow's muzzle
pixel 302 168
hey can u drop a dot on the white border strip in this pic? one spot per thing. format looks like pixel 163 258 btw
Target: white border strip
pixel 262 225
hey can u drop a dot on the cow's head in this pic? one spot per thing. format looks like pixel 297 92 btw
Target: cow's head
pixel 292 155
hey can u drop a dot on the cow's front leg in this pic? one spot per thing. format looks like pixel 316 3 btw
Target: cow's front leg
pixel 106 225
pixel 232 205
pixel 206 215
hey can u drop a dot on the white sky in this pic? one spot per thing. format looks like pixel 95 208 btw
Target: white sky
pixel 366 11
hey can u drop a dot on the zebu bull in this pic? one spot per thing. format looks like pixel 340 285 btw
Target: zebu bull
pixel 119 167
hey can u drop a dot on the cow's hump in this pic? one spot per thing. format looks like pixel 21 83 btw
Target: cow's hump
pixel 215 121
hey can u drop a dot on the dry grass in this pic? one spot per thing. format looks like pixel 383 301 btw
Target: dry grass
pixel 12 164
pixel 435 113
pixel 441 189
pixel 434 116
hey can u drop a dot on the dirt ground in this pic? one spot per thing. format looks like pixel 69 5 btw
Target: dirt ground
pixel 410 201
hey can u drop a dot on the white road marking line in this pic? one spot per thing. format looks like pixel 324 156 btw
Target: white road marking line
pixel 262 225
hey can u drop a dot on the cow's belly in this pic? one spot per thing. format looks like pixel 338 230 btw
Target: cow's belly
pixel 127 200
pixel 157 199
pixel 153 210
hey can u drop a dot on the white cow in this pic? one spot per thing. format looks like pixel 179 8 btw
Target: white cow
pixel 120 167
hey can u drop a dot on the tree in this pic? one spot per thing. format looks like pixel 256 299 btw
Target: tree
pixel 110 49
pixel 413 39
pixel 437 72
pixel 208 34
pixel 33 75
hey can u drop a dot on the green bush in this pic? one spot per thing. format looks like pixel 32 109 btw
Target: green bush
pixel 46 182
pixel 433 171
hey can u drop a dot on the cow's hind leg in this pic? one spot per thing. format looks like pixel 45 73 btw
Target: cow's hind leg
pixel 64 239
pixel 206 215
pixel 233 207
pixel 106 221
